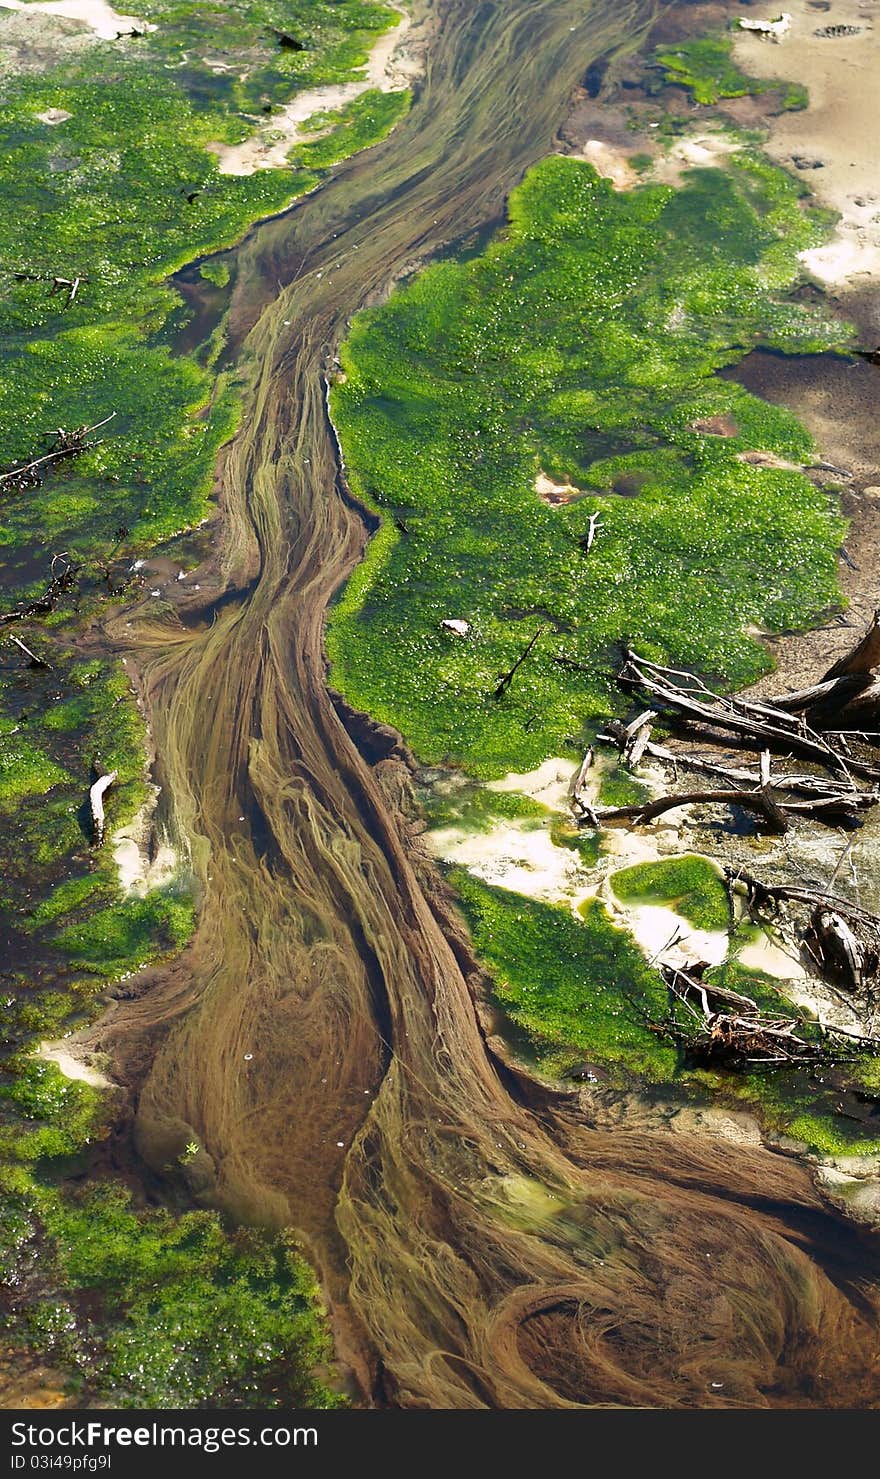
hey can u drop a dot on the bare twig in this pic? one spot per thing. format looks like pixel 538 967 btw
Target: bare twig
pixel 507 678
pixel 41 605
pixel 35 661
pixel 66 444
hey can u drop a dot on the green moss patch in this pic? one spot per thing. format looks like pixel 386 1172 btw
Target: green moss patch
pixel 705 67
pixel 476 807
pixel 584 342
pixel 576 988
pixel 618 787
pixel 25 770
pixel 146 1309
pixel 692 886
pixel 129 934
pixel 360 124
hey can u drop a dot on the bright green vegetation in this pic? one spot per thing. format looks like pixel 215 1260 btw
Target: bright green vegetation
pixel 112 940
pixel 119 194
pixel 24 771
pixel 706 68
pixel 618 787
pixel 583 342
pixel 476 808
pixel 576 988
pixel 216 272
pixel 44 1113
pixel 564 833
pixel 692 886
pixel 795 1104
pixel 147 1309
pixel 62 721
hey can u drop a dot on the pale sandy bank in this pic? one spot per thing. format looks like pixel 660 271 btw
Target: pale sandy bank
pixel 390 68
pixel 839 130
pixel 106 22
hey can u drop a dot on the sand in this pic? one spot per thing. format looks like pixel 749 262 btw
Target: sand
pixel 610 162
pixel 389 68
pixel 141 864
pixel 706 150
pixel 555 493
pixel 106 22
pixel 666 938
pixel 520 857
pixel 610 158
pixel 72 1067
pixel 840 127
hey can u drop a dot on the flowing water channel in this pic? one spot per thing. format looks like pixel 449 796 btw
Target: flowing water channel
pixel 481 1242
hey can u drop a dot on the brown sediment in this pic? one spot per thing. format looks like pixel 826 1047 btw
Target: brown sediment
pixel 482 1242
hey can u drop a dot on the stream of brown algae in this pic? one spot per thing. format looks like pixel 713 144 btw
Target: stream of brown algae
pixel 481 1245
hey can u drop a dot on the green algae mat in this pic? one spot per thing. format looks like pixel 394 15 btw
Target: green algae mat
pixel 583 345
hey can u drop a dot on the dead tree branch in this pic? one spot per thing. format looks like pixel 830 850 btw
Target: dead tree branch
pixel 69 286
pixel 65 444
pixel 35 661
pixel 762 724
pixel 58 585
pixel 725 1028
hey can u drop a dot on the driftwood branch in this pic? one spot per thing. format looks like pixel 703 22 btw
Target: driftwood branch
pixel 587 540
pixel 834 799
pixel 761 801
pixel 65 444
pixel 35 661
pixel 830 691
pixel 724 1027
pixel 796 784
pixel 69 286
pixel 579 803
pixel 766 897
pixel 761 723
pixel 771 798
pixel 838 950
pixel 96 803
pixel 58 585
pixel 863 658
pixel 848 695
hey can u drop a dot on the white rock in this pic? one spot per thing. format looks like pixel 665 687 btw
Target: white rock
pixel 456 625
pixel 780 27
